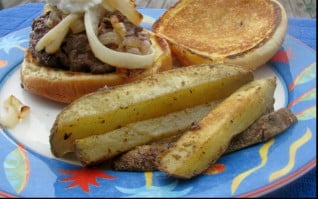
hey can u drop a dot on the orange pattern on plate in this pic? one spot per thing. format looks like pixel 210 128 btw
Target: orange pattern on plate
pixel 3 63
pixel 215 169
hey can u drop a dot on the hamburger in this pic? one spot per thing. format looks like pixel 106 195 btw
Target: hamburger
pixel 242 32
pixel 77 47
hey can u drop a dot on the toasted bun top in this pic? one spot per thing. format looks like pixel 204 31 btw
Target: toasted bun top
pixel 221 29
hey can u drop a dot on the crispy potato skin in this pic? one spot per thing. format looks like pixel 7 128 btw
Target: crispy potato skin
pixel 154 96
pixel 198 148
pixel 98 148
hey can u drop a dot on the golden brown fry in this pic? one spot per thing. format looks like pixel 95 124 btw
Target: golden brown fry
pixel 155 96
pixel 98 148
pixel 197 149
pixel 142 158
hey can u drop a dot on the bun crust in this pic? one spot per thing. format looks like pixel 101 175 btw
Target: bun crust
pixel 65 86
pixel 243 32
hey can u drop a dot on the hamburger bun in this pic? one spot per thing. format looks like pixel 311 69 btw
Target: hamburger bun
pixel 243 32
pixel 66 86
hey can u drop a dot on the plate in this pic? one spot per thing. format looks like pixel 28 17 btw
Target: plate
pixel 28 168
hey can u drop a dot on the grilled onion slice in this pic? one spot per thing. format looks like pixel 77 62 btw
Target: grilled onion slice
pixel 52 40
pixel 128 9
pixel 15 111
pixel 115 58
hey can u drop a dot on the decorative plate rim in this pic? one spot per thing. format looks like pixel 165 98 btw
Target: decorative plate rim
pixel 288 178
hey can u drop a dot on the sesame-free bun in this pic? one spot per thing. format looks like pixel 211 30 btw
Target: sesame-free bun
pixel 65 86
pixel 243 32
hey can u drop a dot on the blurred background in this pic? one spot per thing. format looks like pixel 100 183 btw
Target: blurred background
pixel 294 8
pixel 11 3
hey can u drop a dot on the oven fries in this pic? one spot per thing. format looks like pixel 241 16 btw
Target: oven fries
pixel 198 148
pixel 98 148
pixel 143 158
pixel 154 96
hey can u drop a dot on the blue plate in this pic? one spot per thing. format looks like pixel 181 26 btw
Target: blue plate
pixel 28 168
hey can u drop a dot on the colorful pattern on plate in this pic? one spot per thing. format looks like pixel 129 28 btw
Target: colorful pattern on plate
pixel 17 168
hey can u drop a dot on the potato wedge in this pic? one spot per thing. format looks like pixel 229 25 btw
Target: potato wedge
pixel 143 157
pixel 98 148
pixel 154 96
pixel 198 148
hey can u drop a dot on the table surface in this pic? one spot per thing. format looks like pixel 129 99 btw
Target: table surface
pixel 301 28
pixel 294 8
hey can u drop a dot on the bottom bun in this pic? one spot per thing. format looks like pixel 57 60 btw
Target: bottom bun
pixel 66 86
